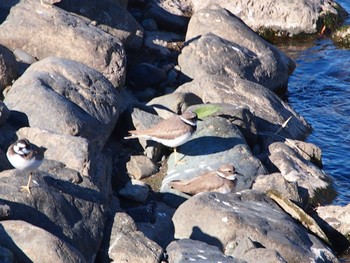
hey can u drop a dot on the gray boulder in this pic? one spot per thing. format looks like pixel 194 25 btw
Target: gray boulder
pixel 274 66
pixel 308 176
pixel 223 220
pixel 270 111
pixel 216 142
pixel 34 28
pixel 67 97
pixel 16 234
pixel 127 244
pixel 283 17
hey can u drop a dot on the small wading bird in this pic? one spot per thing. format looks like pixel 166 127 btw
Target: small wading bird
pixel 25 156
pixel 222 180
pixel 171 132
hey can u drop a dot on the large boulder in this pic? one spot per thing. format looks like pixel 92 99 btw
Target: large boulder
pixel 225 220
pixel 67 97
pixel 8 67
pixel 44 32
pixel 274 66
pixel 270 111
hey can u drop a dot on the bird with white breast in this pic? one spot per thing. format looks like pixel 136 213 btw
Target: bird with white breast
pixel 171 132
pixel 25 156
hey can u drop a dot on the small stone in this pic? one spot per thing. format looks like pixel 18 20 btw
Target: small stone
pixel 140 167
pixel 135 190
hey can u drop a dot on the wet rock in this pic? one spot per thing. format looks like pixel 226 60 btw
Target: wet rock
pixel 140 167
pixel 308 151
pixel 127 244
pixel 283 18
pixel 273 67
pixel 187 250
pixel 177 103
pixel 216 142
pixel 9 68
pixel 33 28
pixel 270 111
pixel 15 235
pixel 296 169
pixel 224 219
pixel 135 190
pixel 64 96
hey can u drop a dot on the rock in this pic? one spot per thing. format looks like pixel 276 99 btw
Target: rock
pixel 277 182
pixel 187 250
pixel 43 246
pixel 307 175
pixel 144 74
pixel 5 212
pixel 282 18
pixel 140 167
pixel 239 116
pixel 270 111
pixel 73 212
pixel 177 103
pixel 127 244
pixel 64 96
pixel 224 219
pixel 33 28
pixel 247 250
pixel 161 228
pixel 9 68
pixel 169 15
pixel 273 67
pixel 135 190
pixel 6 255
pixel 337 217
pixel 217 141
pixel 110 16
pixel 308 151
pixel 160 42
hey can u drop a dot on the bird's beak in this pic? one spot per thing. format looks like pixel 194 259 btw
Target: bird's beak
pixel 231 177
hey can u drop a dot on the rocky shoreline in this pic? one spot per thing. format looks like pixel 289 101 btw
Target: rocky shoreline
pixel 77 75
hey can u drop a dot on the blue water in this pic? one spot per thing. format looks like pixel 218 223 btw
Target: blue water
pixel 319 90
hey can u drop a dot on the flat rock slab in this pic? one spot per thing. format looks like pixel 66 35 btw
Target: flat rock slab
pixel 223 220
pixel 67 97
pixel 216 142
pixel 274 66
pixel 45 31
pixel 29 243
pixel 270 111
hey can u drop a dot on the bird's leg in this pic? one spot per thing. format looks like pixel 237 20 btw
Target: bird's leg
pixel 27 187
pixel 176 160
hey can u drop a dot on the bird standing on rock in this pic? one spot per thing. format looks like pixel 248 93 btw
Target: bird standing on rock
pixel 171 132
pixel 25 156
pixel 222 180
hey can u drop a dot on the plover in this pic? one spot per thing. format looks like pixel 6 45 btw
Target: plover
pixel 25 156
pixel 171 132
pixel 222 180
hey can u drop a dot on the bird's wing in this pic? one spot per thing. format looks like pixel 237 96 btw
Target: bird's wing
pixel 204 183
pixel 165 129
